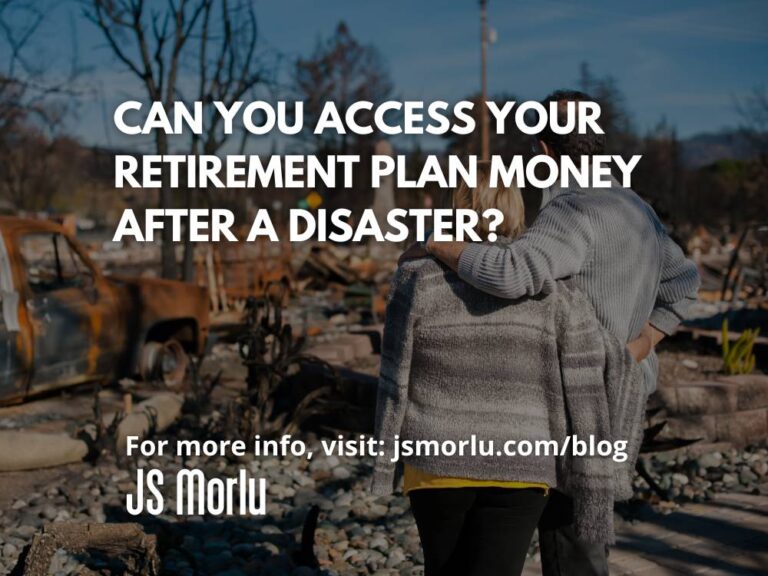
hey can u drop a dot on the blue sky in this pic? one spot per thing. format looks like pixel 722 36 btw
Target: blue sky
pixel 685 60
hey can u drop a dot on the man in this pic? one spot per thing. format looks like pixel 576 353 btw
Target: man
pixel 616 250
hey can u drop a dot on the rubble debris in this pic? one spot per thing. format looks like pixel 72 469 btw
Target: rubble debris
pixel 734 268
pixel 697 474
pixel 342 349
pixel 354 530
pixel 20 450
pixel 326 265
pixel 27 450
pixel 270 352
pixel 747 274
pixel 105 549
pixel 234 272
pixel 353 400
pixel 149 417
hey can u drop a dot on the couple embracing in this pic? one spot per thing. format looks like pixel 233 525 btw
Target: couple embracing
pixel 542 338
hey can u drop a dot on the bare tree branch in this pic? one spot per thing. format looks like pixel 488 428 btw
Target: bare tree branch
pixel 221 37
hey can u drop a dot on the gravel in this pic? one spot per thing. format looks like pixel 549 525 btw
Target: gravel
pixel 699 478
pixel 357 533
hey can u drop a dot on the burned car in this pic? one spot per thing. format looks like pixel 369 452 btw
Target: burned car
pixel 64 322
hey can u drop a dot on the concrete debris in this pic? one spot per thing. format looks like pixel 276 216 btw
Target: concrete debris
pixel 150 416
pixel 29 450
pixel 21 450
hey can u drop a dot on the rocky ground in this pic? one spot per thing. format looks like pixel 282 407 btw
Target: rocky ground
pixel 356 534
pixel 697 478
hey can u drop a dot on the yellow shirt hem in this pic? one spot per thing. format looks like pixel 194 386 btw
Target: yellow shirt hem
pixel 415 479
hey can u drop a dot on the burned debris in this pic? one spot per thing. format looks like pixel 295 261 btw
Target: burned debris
pixel 289 343
pixel 106 549
pixel 271 353
pixel 65 323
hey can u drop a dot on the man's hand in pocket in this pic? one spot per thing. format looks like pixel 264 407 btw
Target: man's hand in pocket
pixel 643 345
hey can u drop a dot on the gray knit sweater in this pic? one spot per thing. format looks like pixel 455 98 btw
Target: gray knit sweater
pixel 457 361
pixel 617 251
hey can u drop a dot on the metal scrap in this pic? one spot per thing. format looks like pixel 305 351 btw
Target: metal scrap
pixel 64 322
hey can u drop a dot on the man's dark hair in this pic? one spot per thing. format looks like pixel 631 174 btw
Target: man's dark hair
pixel 573 144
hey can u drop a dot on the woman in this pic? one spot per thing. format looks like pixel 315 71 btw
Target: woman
pixel 458 363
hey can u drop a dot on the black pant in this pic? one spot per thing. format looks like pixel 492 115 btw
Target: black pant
pixel 562 554
pixel 476 531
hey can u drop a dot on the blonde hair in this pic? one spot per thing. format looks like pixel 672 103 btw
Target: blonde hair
pixel 480 198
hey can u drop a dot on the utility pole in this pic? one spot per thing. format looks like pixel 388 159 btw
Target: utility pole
pixel 485 143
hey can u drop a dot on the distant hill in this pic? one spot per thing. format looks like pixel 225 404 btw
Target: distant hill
pixel 703 149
